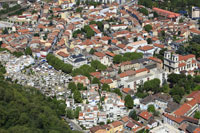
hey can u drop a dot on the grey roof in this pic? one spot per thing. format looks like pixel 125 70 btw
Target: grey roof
pixel 79 60
pixel 171 107
pixel 77 56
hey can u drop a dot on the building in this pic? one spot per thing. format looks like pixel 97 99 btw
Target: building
pixel 166 13
pixel 195 12
pixel 175 63
pixel 140 72
pixel 76 60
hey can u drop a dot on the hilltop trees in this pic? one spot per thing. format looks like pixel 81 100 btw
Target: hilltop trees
pixel 58 64
pixel 128 101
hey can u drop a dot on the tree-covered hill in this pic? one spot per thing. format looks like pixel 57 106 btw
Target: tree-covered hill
pixel 26 110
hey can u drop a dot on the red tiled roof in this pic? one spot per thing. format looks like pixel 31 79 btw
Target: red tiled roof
pixel 146 48
pixel 106 81
pixel 159 45
pixel 173 118
pixel 145 115
pixel 141 70
pixel 110 54
pixel 186 57
pixel 99 54
pixel 182 110
pixel 155 59
pixel 116 123
pixel 126 90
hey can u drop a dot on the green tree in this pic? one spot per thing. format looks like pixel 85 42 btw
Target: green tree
pixel 151 108
pixel 72 86
pixel 128 101
pixel 148 28
pixel 70 114
pixel 77 96
pixel 28 51
pixel 149 40
pixel 76 112
pixel 95 81
pixel 117 59
pixel 197 115
pixel 118 92
pixel 152 85
pixel 5 6
pixel 105 87
pixel 79 9
pixel 92 51
pixel 133 115
pixel 143 11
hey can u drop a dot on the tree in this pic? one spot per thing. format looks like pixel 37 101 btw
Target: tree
pixel 76 112
pixel 128 101
pixel 77 96
pixel 79 9
pixel 28 51
pixel 118 92
pixel 72 86
pixel 152 85
pixel 133 115
pixel 5 6
pixel 117 59
pixel 148 28
pixel 70 114
pixel 149 40
pixel 119 71
pixel 197 115
pixel 80 86
pixel 78 2
pixel 151 108
pixel 92 51
pixel 135 39
pixel 95 81
pixel 155 14
pixel 5 31
pixel 144 11
pixel 181 20
pixel 105 87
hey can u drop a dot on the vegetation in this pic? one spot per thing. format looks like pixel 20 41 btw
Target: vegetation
pixel 197 115
pixel 58 64
pixel 86 30
pixel 128 101
pixel 151 108
pixel 79 9
pixel 192 48
pixel 148 28
pixel 161 54
pixel 28 51
pixel 97 65
pixel 27 110
pixel 127 57
pixel 118 92
pixel 17 54
pixel 171 5
pixel 144 11
pixel 99 25
pixel 7 9
pixel 133 115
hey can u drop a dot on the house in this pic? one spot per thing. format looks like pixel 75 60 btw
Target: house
pixel 81 79
pixel 145 117
pixel 101 129
pixel 159 100
pixel 76 60
pixel 146 49
pixel 144 70
pixel 102 58
pixel 175 63
pixel 117 126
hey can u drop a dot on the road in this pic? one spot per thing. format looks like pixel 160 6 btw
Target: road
pixel 73 124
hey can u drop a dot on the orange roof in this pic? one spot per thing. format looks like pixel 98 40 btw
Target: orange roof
pixel 106 81
pixel 181 65
pixel 145 115
pixel 146 48
pixel 110 54
pixel 141 70
pixel 166 13
pixel 116 123
pixel 159 45
pixel 99 54
pixel 197 130
pixel 176 119
pixel 186 57
pixel 96 74
pixel 155 59
pixel 126 90
pixel 182 110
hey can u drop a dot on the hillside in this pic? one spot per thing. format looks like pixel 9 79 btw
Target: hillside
pixel 26 110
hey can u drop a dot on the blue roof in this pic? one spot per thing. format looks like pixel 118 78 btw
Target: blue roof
pixel 79 60
pixel 76 56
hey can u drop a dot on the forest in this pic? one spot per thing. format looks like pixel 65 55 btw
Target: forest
pixel 26 110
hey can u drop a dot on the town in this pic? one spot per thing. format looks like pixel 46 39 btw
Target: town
pixel 119 66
